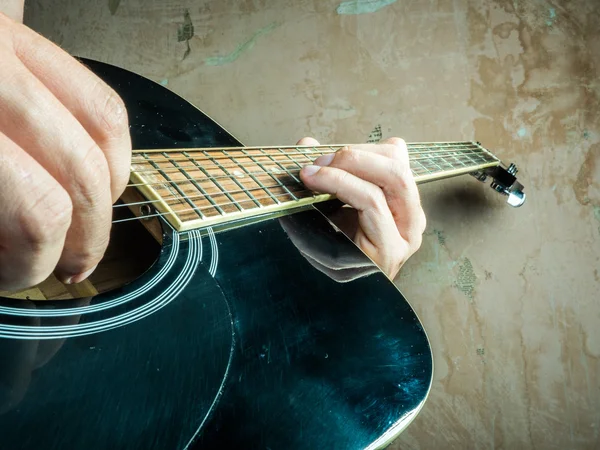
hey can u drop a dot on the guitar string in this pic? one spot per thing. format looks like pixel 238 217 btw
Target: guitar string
pixel 259 187
pixel 461 159
pixel 247 157
pixel 225 153
pixel 410 146
pixel 211 194
pixel 455 151
pixel 237 203
pixel 296 150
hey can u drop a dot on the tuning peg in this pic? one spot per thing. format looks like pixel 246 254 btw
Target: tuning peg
pixel 516 198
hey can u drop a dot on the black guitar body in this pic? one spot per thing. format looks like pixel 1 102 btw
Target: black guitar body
pixel 232 339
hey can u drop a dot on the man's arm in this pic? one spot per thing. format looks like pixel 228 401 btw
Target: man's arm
pixel 13 9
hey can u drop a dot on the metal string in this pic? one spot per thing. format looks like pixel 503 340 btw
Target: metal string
pixel 459 158
pixel 237 166
pixel 237 203
pixel 458 152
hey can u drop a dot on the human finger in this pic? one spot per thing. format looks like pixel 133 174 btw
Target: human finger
pixel 384 168
pixel 308 141
pixel 67 152
pixel 95 105
pixel 378 229
pixel 36 214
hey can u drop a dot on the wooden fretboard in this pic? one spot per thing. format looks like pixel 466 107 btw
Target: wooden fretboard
pixel 201 187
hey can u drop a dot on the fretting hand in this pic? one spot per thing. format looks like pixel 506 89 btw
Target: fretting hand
pixel 64 159
pixel 386 219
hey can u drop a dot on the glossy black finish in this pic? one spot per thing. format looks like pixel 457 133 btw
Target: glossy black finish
pixel 236 338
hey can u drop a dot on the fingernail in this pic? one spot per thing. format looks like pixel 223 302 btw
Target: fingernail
pixel 311 170
pixel 82 276
pixel 324 160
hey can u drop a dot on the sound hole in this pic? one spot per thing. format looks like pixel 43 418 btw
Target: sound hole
pixel 134 246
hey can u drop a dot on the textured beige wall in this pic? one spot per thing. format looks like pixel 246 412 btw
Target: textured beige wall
pixel 510 298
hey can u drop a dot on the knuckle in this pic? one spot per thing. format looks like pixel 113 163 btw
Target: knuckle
pixel 340 176
pixel 91 177
pixel 399 150
pixel 401 174
pixel 46 219
pixel 112 113
pixel 377 200
pixel 348 156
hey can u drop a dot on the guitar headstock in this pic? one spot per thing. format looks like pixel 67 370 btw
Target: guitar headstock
pixel 505 182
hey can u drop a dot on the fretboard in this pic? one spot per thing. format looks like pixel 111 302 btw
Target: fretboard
pixel 200 187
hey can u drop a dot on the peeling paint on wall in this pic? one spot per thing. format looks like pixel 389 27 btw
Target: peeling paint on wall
pixel 113 5
pixel 440 236
pixel 242 48
pixel 375 135
pixel 466 279
pixel 362 6
pixel 185 32
pixel 552 15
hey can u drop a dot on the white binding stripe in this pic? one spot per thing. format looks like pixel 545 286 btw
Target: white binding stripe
pixel 214 260
pixel 54 332
pixel 62 312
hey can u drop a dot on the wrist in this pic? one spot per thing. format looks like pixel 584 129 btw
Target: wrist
pixel 13 9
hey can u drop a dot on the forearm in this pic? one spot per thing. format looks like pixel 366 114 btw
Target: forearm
pixel 13 9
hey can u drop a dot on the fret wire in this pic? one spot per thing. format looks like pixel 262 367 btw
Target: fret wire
pixel 439 144
pixel 297 148
pixel 472 148
pixel 428 157
pixel 217 194
pixel 211 178
pixel 197 186
pixel 470 157
pixel 285 169
pixel 270 174
pixel 280 165
pixel 210 158
pixel 188 201
pixel 439 168
pixel 185 210
pixel 229 176
pixel 227 166
pixel 208 207
pixel 458 160
pixel 441 155
pixel 410 145
pixel 290 158
pixel 423 166
pixel 435 163
pixel 235 181
pixel 254 178
pixel 243 201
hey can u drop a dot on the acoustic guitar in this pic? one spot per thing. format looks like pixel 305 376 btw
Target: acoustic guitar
pixel 229 310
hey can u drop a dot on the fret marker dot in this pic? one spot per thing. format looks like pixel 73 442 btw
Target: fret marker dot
pixel 238 173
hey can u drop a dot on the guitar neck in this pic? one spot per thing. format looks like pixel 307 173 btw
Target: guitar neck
pixel 200 187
